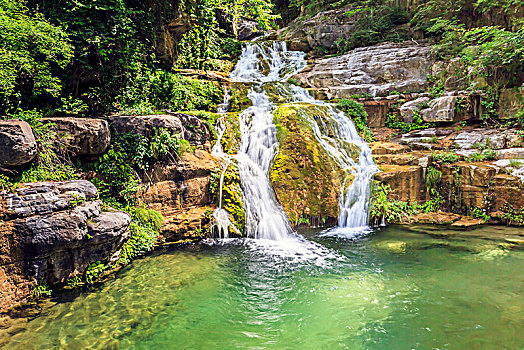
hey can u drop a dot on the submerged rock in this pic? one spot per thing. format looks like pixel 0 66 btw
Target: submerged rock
pixel 17 143
pixel 52 231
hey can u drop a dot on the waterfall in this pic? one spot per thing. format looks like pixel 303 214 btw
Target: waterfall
pixel 271 65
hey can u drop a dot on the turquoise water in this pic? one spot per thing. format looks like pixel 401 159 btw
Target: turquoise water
pixel 397 289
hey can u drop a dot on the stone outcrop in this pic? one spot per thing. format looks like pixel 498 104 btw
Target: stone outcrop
pixel 306 181
pixel 51 232
pixel 187 126
pixel 511 102
pixel 376 70
pixel 17 143
pixel 180 192
pixel 82 136
pixel 322 30
pixel 408 109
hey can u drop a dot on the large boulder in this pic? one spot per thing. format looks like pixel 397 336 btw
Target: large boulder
pixel 408 109
pixel 188 127
pixel 17 143
pixel 511 102
pixel 322 30
pixel 440 110
pixel 376 70
pixel 53 231
pixel 83 136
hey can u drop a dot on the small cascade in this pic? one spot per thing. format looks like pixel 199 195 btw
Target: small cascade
pixel 221 220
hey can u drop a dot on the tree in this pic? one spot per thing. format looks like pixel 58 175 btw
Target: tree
pixel 32 50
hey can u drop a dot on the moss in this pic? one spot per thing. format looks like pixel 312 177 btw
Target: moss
pixel 231 195
pixel 239 100
pixel 305 179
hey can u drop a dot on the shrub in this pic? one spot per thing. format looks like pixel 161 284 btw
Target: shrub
pixel 446 157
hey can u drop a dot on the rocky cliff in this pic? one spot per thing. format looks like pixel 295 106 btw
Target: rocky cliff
pixel 52 231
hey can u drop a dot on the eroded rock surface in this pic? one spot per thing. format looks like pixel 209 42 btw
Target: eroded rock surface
pixel 17 143
pixel 187 126
pixel 83 136
pixel 376 70
pixel 51 232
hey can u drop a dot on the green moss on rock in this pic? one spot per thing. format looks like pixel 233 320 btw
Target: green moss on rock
pixel 306 180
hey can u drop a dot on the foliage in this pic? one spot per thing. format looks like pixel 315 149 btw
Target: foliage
pixel 31 53
pixel 482 156
pixel 117 169
pixel 385 210
pixel 94 271
pixel 374 24
pixel 173 91
pixel 41 291
pixel 479 213
pixel 513 216
pixel 446 157
pixel 358 115
pixel 393 121
pixel 144 229
pixel 74 282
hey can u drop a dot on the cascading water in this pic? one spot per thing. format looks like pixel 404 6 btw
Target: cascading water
pixel 269 66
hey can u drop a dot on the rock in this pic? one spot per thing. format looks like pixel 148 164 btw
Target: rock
pixel 181 194
pixel 189 127
pixel 377 111
pixel 247 29
pixel 376 70
pixel 440 110
pixel 406 182
pixel 17 143
pixel 52 232
pixel 511 153
pixel 306 181
pixel 321 30
pixel 511 102
pixel 490 138
pixel 380 148
pixel 83 136
pixel 407 110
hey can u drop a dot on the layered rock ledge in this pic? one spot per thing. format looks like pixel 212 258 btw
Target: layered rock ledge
pixel 53 231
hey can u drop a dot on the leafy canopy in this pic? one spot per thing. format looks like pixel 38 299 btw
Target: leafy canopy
pixel 31 53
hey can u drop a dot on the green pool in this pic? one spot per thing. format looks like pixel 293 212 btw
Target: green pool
pixel 400 288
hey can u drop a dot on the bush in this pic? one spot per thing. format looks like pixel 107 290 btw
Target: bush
pixel 31 53
pixel 374 25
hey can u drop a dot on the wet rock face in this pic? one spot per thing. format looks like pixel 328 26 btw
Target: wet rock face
pixel 54 230
pixel 189 127
pixel 83 136
pixel 306 181
pixel 376 70
pixel 17 143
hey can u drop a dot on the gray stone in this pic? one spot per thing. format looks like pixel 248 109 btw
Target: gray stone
pixel 247 29
pixel 17 143
pixel 376 70
pixel 407 110
pixel 321 30
pixel 60 229
pixel 83 136
pixel 511 153
pixel 440 110
pixel 188 127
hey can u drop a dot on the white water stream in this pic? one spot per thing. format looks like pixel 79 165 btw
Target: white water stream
pixel 272 65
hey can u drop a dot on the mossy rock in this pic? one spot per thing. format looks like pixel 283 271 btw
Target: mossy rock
pixel 231 140
pixel 231 195
pixel 239 100
pixel 306 180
